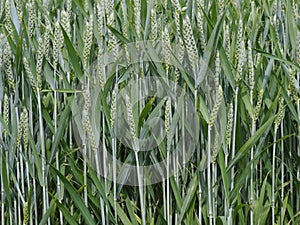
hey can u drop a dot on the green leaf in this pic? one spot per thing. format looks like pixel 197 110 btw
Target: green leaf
pixel 224 175
pixel 251 142
pixel 75 197
pixel 145 111
pixel 73 56
pixel 37 158
pixel 176 192
pixel 209 50
pixel 131 213
pixel 46 215
pixel 66 214
pixel 59 133
pixel 268 55
pixel 5 180
pixel 191 191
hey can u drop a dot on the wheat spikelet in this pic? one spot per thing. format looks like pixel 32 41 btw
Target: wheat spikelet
pixel 65 22
pixel 20 131
pixel 32 80
pixel 177 21
pixel 26 214
pixel 258 59
pixel 113 108
pixel 153 25
pixel 9 24
pixel 295 9
pixel 167 117
pixel 2 58
pixel 292 84
pixel 221 7
pixel 215 150
pixel 229 125
pixel 100 18
pixel 88 37
pixel 216 107
pixel 131 121
pixel 47 39
pixel 38 21
pixel 227 42
pixel 125 20
pixel 113 46
pixel 7 61
pixel 159 25
pixel 298 49
pixel 87 122
pixel 280 114
pixel 109 9
pixel 25 128
pixel 86 5
pixel 250 68
pixel 100 67
pixel 56 45
pixel 69 9
pixel 258 106
pixel 40 57
pixel 10 76
pixel 137 17
pixel 176 15
pixel 200 5
pixel 5 112
pixel 166 48
pixel 19 9
pixel 240 53
pixel 217 70
pixel 31 17
pixel 7 54
pixel 190 42
pixel 180 50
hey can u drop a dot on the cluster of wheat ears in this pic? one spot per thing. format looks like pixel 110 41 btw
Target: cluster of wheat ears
pixel 53 53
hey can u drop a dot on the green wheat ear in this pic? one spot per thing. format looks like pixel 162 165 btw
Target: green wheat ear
pixel 250 68
pixel 131 120
pixel 167 116
pixel 280 114
pixel 65 21
pixel 6 112
pixel 258 106
pixel 41 51
pixel 216 106
pixel 10 76
pixel 9 24
pixel 32 80
pixel 229 125
pixel 26 214
pixel 292 84
pixel 113 108
pixel 217 70
pixel 31 12
pixel 7 61
pixel 20 130
pixel 166 48
pixel 56 44
pixel 87 122
pixel 190 42
pixel 25 128
pixel 88 37
pixel 200 23
pixel 154 34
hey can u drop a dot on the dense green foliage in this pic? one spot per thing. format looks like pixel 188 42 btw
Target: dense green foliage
pixel 51 50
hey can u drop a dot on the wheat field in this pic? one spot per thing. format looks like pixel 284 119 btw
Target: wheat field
pixel 150 112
